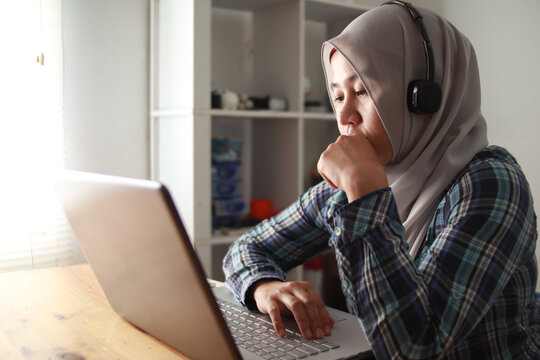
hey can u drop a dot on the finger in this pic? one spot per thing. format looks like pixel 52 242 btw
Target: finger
pixel 312 304
pixel 275 316
pixel 327 320
pixel 296 306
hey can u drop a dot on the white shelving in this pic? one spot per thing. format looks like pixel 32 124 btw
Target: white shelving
pixel 258 47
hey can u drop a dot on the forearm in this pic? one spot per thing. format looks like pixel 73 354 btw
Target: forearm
pixel 245 264
pixel 384 288
pixel 277 245
pixel 382 285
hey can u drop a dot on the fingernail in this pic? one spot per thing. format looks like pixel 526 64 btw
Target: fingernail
pixel 327 330
pixel 308 334
pixel 319 333
pixel 281 332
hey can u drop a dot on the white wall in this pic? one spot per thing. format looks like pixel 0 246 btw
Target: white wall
pixel 506 37
pixel 106 86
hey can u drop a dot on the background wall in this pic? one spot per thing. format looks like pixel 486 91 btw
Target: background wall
pixel 506 36
pixel 106 85
pixel 106 79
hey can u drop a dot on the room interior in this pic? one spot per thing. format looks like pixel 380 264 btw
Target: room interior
pixel 107 78
pixel 122 65
pixel 137 79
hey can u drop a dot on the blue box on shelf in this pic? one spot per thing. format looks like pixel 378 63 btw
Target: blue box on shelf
pixel 226 189
pixel 229 221
pixel 226 171
pixel 230 207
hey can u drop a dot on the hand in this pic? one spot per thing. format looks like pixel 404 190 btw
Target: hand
pixel 297 298
pixel 351 164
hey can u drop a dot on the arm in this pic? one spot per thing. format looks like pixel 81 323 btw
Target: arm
pixel 275 246
pixel 424 310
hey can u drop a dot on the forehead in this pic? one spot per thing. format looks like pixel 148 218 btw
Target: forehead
pixel 342 71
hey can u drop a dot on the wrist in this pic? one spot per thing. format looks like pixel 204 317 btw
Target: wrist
pixel 360 184
pixel 250 298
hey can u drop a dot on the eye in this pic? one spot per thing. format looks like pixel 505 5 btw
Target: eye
pixel 338 99
pixel 361 92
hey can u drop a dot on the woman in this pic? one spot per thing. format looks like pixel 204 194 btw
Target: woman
pixel 434 231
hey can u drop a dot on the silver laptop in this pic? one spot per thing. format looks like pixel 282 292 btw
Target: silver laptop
pixel 134 240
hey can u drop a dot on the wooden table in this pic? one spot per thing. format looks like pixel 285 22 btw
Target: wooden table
pixel 62 314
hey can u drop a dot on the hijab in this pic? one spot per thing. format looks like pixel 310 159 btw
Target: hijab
pixel 384 46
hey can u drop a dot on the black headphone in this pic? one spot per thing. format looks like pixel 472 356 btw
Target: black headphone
pixel 423 96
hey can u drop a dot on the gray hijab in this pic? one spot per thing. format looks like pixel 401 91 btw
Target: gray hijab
pixel 384 46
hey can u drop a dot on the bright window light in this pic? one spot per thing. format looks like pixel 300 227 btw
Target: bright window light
pixel 33 230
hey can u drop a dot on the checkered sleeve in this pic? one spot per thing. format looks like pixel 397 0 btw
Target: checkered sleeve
pixel 278 244
pixel 426 309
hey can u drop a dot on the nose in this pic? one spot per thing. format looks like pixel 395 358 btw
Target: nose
pixel 348 113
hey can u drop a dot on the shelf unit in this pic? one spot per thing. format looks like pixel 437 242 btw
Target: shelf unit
pixel 258 47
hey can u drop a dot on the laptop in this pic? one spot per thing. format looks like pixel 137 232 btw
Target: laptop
pixel 136 244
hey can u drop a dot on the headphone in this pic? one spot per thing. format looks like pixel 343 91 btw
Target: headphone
pixel 423 96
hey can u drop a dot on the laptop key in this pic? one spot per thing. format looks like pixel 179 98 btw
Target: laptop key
pixel 318 347
pixel 331 345
pixel 297 354
pixel 307 350
pixel 286 357
pixel 319 341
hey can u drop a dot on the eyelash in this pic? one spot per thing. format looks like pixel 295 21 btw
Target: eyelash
pixel 358 93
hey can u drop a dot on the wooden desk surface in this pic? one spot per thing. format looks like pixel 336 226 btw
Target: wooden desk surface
pixel 62 314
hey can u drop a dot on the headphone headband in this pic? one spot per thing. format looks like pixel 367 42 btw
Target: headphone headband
pixel 424 96
pixel 428 50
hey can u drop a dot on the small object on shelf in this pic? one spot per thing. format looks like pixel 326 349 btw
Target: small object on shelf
pixel 244 102
pixel 314 106
pixel 226 150
pixel 229 100
pixel 260 209
pixel 225 222
pixel 225 99
pixel 226 171
pixel 307 88
pixel 231 224
pixel 216 100
pixel 226 189
pixel 269 103
pixel 225 231
pixel 230 207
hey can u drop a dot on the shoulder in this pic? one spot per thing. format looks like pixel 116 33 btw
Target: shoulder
pixel 492 178
pixel 493 166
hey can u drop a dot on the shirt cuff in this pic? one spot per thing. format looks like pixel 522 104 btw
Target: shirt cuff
pixel 366 213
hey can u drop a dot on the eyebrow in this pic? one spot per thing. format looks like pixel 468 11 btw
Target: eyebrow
pixel 349 79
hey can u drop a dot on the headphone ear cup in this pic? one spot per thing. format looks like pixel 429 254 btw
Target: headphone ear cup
pixel 424 96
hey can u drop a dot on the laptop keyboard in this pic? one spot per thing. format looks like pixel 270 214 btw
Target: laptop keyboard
pixel 257 335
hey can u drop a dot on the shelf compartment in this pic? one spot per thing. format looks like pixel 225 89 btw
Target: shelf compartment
pixel 252 53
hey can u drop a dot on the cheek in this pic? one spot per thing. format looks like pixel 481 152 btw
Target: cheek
pixel 378 137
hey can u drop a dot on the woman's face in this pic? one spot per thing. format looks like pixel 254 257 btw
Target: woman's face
pixel 355 111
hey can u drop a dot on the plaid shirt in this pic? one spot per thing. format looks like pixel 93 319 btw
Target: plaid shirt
pixel 469 293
